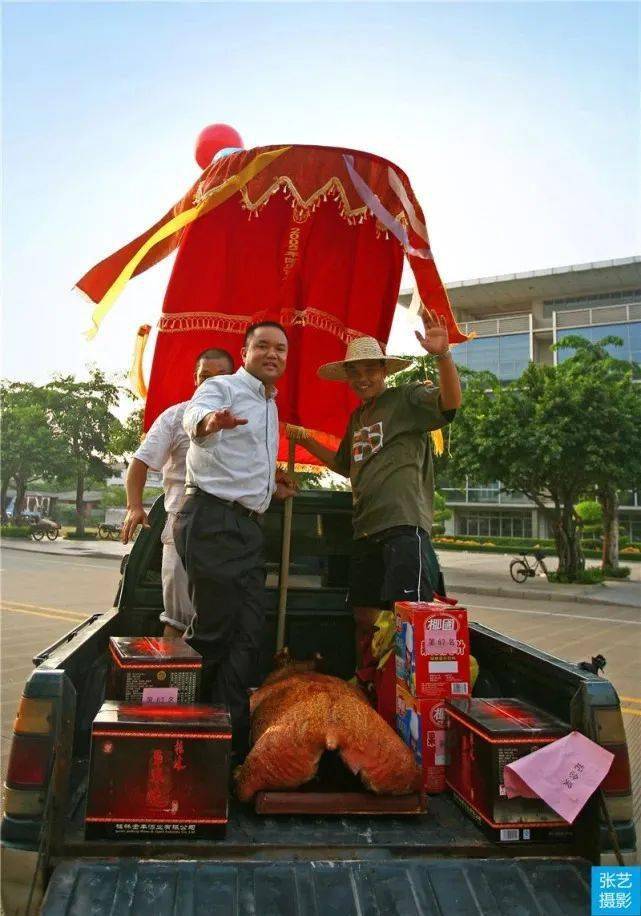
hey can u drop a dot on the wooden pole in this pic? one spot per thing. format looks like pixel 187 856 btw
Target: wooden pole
pixel 283 579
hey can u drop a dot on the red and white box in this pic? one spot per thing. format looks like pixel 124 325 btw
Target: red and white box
pixel 432 649
pixel 421 725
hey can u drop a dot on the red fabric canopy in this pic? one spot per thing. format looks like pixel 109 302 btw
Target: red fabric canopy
pixel 315 240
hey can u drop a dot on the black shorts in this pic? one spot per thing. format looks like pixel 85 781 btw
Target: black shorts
pixel 398 564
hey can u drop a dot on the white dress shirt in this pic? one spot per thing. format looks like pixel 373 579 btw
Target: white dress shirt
pixel 237 464
pixel 165 446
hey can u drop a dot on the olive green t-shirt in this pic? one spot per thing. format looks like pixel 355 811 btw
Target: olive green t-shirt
pixel 387 455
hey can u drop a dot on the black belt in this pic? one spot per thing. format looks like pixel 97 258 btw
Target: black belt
pixel 228 503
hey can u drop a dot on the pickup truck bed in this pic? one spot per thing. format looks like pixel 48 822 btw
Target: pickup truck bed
pixel 439 862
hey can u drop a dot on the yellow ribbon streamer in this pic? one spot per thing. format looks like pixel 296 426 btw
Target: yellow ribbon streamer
pixel 136 378
pixel 221 194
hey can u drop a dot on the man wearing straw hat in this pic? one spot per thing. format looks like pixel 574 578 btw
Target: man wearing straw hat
pixel 386 454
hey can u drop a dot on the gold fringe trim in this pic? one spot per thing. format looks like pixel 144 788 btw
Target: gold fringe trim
pixel 304 207
pixel 303 468
pixel 204 321
pixel 321 321
pixel 238 324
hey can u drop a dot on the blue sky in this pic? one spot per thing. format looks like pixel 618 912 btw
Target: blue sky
pixel 516 123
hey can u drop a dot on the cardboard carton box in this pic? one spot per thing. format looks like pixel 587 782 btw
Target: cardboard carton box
pixel 432 649
pixel 421 725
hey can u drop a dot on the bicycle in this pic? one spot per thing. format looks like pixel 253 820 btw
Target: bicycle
pixel 42 527
pixel 521 569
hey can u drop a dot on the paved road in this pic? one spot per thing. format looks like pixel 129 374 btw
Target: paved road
pixel 44 596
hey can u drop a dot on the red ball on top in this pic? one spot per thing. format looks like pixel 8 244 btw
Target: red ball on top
pixel 212 139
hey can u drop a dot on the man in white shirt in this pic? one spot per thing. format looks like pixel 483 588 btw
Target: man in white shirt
pixel 165 446
pixel 232 422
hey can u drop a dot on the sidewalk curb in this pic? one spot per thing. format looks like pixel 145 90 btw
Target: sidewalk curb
pixel 82 552
pixel 500 592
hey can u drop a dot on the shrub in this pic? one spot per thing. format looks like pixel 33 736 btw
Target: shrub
pixel 632 549
pixel 15 531
pixel 88 536
pixel 585 577
pixel 591 543
pixel 621 572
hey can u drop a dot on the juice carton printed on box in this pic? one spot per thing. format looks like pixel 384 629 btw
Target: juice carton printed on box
pixel 421 724
pixel 432 649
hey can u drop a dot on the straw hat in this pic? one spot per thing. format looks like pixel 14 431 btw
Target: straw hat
pixel 357 350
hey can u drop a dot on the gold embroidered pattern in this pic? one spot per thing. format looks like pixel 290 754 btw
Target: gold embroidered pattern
pixel 321 321
pixel 238 324
pixel 303 208
pixel 204 321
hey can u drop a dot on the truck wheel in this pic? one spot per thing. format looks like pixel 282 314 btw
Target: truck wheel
pixel 518 571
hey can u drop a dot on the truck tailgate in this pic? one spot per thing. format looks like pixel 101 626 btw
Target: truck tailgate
pixel 407 887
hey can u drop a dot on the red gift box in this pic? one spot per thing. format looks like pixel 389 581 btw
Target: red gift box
pixel 482 737
pixel 152 669
pixel 158 771
pixel 421 724
pixel 432 649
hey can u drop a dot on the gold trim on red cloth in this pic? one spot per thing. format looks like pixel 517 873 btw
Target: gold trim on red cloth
pixel 204 321
pixel 302 207
pixel 238 324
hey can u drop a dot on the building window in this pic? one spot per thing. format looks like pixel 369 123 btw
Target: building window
pixel 619 297
pixel 505 355
pixel 494 524
pixel 630 527
pixel 630 334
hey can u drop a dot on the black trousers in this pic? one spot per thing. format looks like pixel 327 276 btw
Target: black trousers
pixel 398 564
pixel 222 551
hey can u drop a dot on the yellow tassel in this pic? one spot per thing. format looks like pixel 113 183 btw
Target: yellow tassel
pixel 136 378
pixel 438 443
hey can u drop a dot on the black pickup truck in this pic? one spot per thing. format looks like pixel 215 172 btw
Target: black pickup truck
pixel 439 862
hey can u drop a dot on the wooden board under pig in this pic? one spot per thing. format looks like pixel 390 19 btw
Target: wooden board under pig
pixel 336 791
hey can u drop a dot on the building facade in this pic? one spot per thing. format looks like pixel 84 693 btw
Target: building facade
pixel 516 319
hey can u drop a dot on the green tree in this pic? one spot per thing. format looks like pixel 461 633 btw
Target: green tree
pixel 554 434
pixel 80 413
pixel 441 513
pixel 529 435
pixel 30 449
pixel 591 514
pixel 614 452
pixel 126 437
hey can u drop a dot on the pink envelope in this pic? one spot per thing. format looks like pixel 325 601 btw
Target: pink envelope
pixel 564 774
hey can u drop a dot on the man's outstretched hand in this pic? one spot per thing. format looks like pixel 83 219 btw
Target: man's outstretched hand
pixel 134 517
pixel 217 420
pixel 435 339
